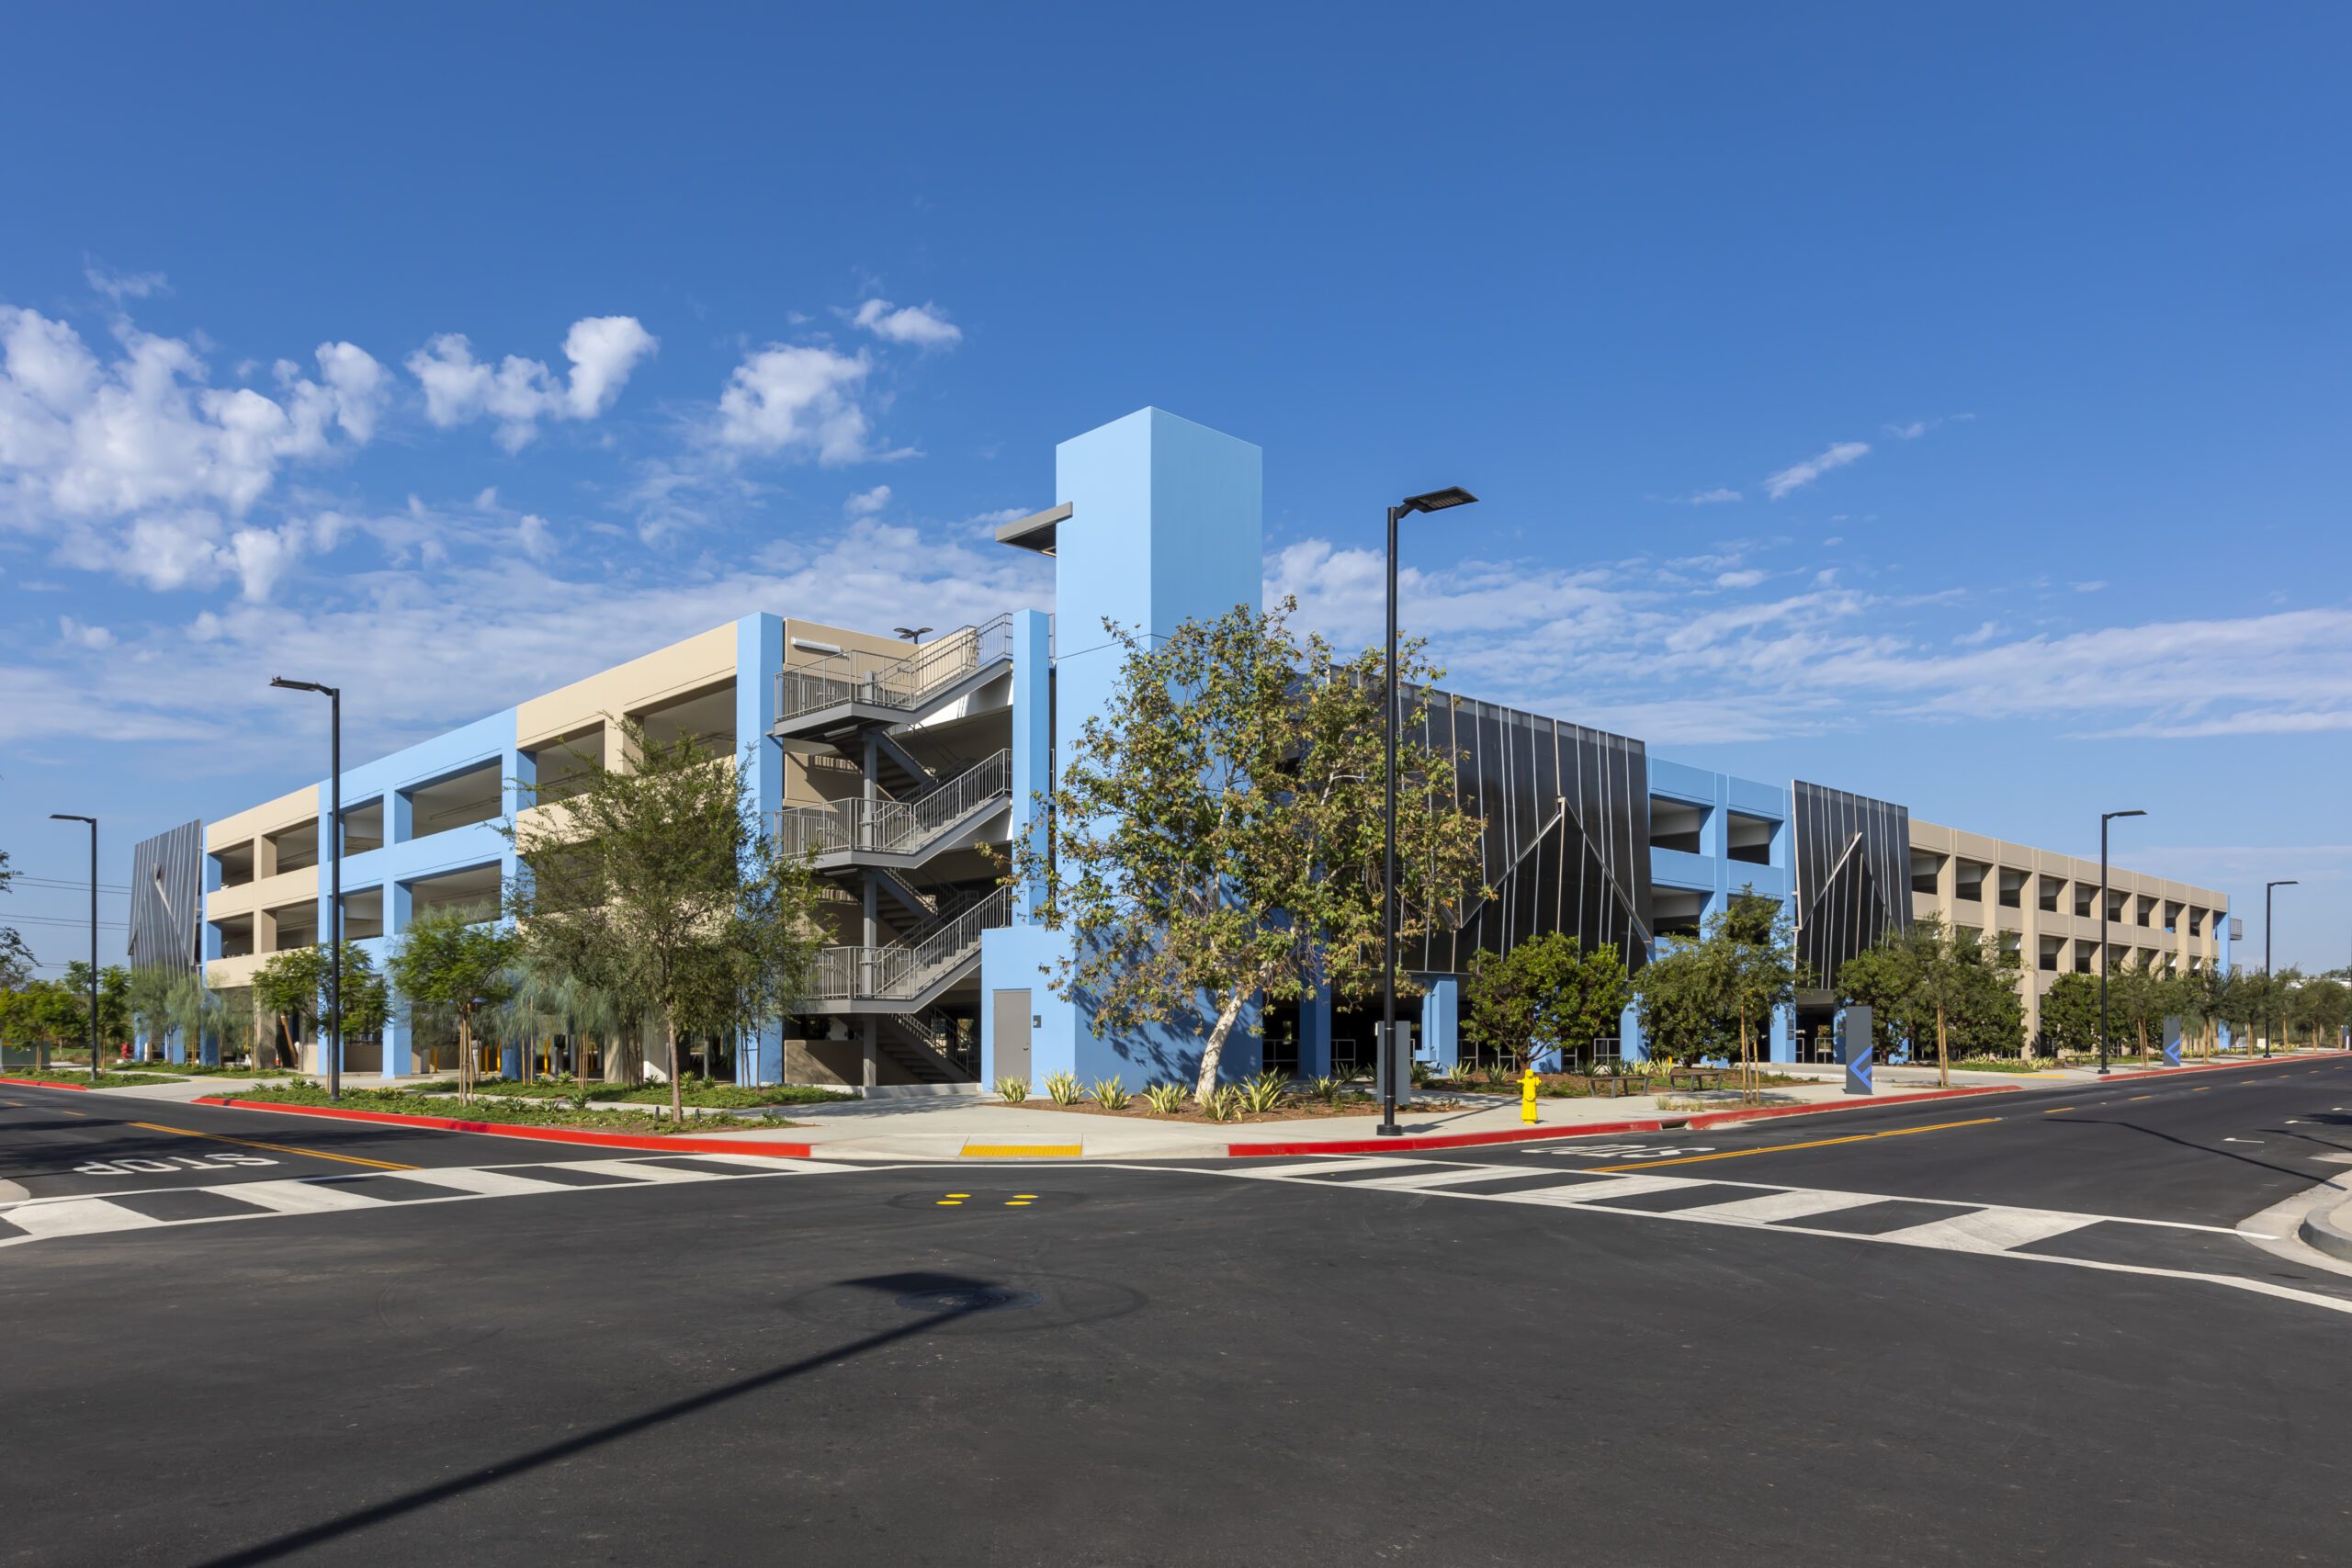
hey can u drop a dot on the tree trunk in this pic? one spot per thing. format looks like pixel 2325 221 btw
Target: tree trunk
pixel 465 1057
pixel 1943 1054
pixel 1214 1052
pixel 677 1084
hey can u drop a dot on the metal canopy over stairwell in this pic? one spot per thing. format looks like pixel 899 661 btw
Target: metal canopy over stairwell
pixel 891 717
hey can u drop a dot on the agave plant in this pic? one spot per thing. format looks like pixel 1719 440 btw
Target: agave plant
pixel 1165 1099
pixel 1012 1090
pixel 1222 1105
pixel 1263 1092
pixel 1325 1088
pixel 1063 1089
pixel 1111 1095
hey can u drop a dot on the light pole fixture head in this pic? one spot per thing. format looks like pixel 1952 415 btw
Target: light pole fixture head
pixel 72 817
pixel 912 633
pixel 1438 500
pixel 2289 882
pixel 302 686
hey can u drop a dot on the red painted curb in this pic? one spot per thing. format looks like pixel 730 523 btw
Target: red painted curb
pixel 1860 1102
pixel 1439 1140
pixel 44 1083
pixel 680 1145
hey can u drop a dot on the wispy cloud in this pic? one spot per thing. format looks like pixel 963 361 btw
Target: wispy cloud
pixel 1916 428
pixel 1796 476
pixel 923 326
pixel 1716 497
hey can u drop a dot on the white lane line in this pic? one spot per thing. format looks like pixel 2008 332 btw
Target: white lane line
pixel 635 1170
pixel 481 1183
pixel 1442 1176
pixel 295 1197
pixel 1987 1230
pixel 1314 1167
pixel 1772 1206
pixel 76 1216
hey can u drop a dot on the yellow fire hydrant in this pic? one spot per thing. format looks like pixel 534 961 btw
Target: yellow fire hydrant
pixel 1527 1096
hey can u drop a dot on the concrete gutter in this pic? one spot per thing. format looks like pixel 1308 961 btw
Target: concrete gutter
pixel 2329 1228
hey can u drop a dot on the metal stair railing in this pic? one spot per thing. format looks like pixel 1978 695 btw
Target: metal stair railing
pixel 894 827
pixel 900 681
pixel 902 971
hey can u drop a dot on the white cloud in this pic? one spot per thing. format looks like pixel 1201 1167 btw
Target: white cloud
pixel 1796 476
pixel 1746 579
pixel 120 286
pixel 518 392
pixel 1716 497
pixel 2093 586
pixel 83 441
pixel 1001 515
pixel 796 399
pixel 537 538
pixel 1985 633
pixel 925 326
pixel 1916 428
pixel 866 502
pixel 79 635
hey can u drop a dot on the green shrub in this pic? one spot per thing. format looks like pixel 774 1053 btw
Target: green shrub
pixel 1063 1089
pixel 1263 1092
pixel 1012 1090
pixel 1165 1099
pixel 1111 1095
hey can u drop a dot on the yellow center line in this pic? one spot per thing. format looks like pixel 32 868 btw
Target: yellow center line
pixel 1815 1144
pixel 274 1148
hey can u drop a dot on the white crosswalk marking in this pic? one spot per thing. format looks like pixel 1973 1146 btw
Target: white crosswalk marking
pixel 780 1164
pixel 76 1216
pixel 1602 1191
pixel 636 1170
pixel 297 1197
pixel 1770 1206
pixel 1441 1175
pixel 1314 1167
pixel 1988 1230
pixel 486 1183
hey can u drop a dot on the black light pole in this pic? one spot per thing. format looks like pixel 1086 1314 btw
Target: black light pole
pixel 331 830
pixel 2104 818
pixel 69 817
pixel 1435 500
pixel 2269 1006
pixel 913 634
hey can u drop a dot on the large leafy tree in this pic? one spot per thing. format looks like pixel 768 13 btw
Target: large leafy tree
pixel 1549 991
pixel 659 885
pixel 455 961
pixel 114 1001
pixel 1215 834
pixel 1680 999
pixel 1930 975
pixel 15 954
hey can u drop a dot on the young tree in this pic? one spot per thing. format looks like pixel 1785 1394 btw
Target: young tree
pixel 1882 978
pixel 194 1010
pixel 2070 1015
pixel 1549 991
pixel 1680 998
pixel 1754 952
pixel 148 997
pixel 661 886
pixel 114 1002
pixel 455 961
pixel 1931 975
pixel 15 954
pixel 1217 832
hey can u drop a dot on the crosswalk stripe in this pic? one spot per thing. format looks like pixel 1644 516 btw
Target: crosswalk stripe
pixel 1316 1168
pixel 1770 1206
pixel 636 1170
pixel 773 1162
pixel 1987 1230
pixel 1601 1190
pixel 299 1197
pixel 76 1216
pixel 484 1183
pixel 1444 1175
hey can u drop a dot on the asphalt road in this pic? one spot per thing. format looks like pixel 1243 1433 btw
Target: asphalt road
pixel 1527 1362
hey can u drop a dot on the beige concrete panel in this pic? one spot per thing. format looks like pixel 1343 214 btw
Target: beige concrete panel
pixel 289 810
pixel 264 893
pixel 700 660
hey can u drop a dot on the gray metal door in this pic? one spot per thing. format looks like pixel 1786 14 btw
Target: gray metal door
pixel 1011 1027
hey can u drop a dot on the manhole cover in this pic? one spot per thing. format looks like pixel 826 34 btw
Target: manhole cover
pixel 969 1298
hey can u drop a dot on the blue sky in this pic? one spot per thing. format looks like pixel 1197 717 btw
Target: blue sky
pixel 1948 406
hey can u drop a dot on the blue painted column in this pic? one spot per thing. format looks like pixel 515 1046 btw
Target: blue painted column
pixel 1630 1044
pixel 1315 1035
pixel 1784 1044
pixel 759 656
pixel 1439 1046
pixel 398 1040
pixel 1033 739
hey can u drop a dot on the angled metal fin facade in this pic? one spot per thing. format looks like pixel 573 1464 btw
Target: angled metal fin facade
pixel 167 899
pixel 1853 876
pixel 1567 840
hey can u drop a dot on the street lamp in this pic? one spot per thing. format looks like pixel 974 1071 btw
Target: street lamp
pixel 2267 886
pixel 69 816
pixel 2104 818
pixel 1434 500
pixel 331 831
pixel 913 634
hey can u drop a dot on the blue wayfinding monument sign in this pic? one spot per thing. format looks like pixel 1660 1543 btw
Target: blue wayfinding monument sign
pixel 1854 1048
pixel 2172 1041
